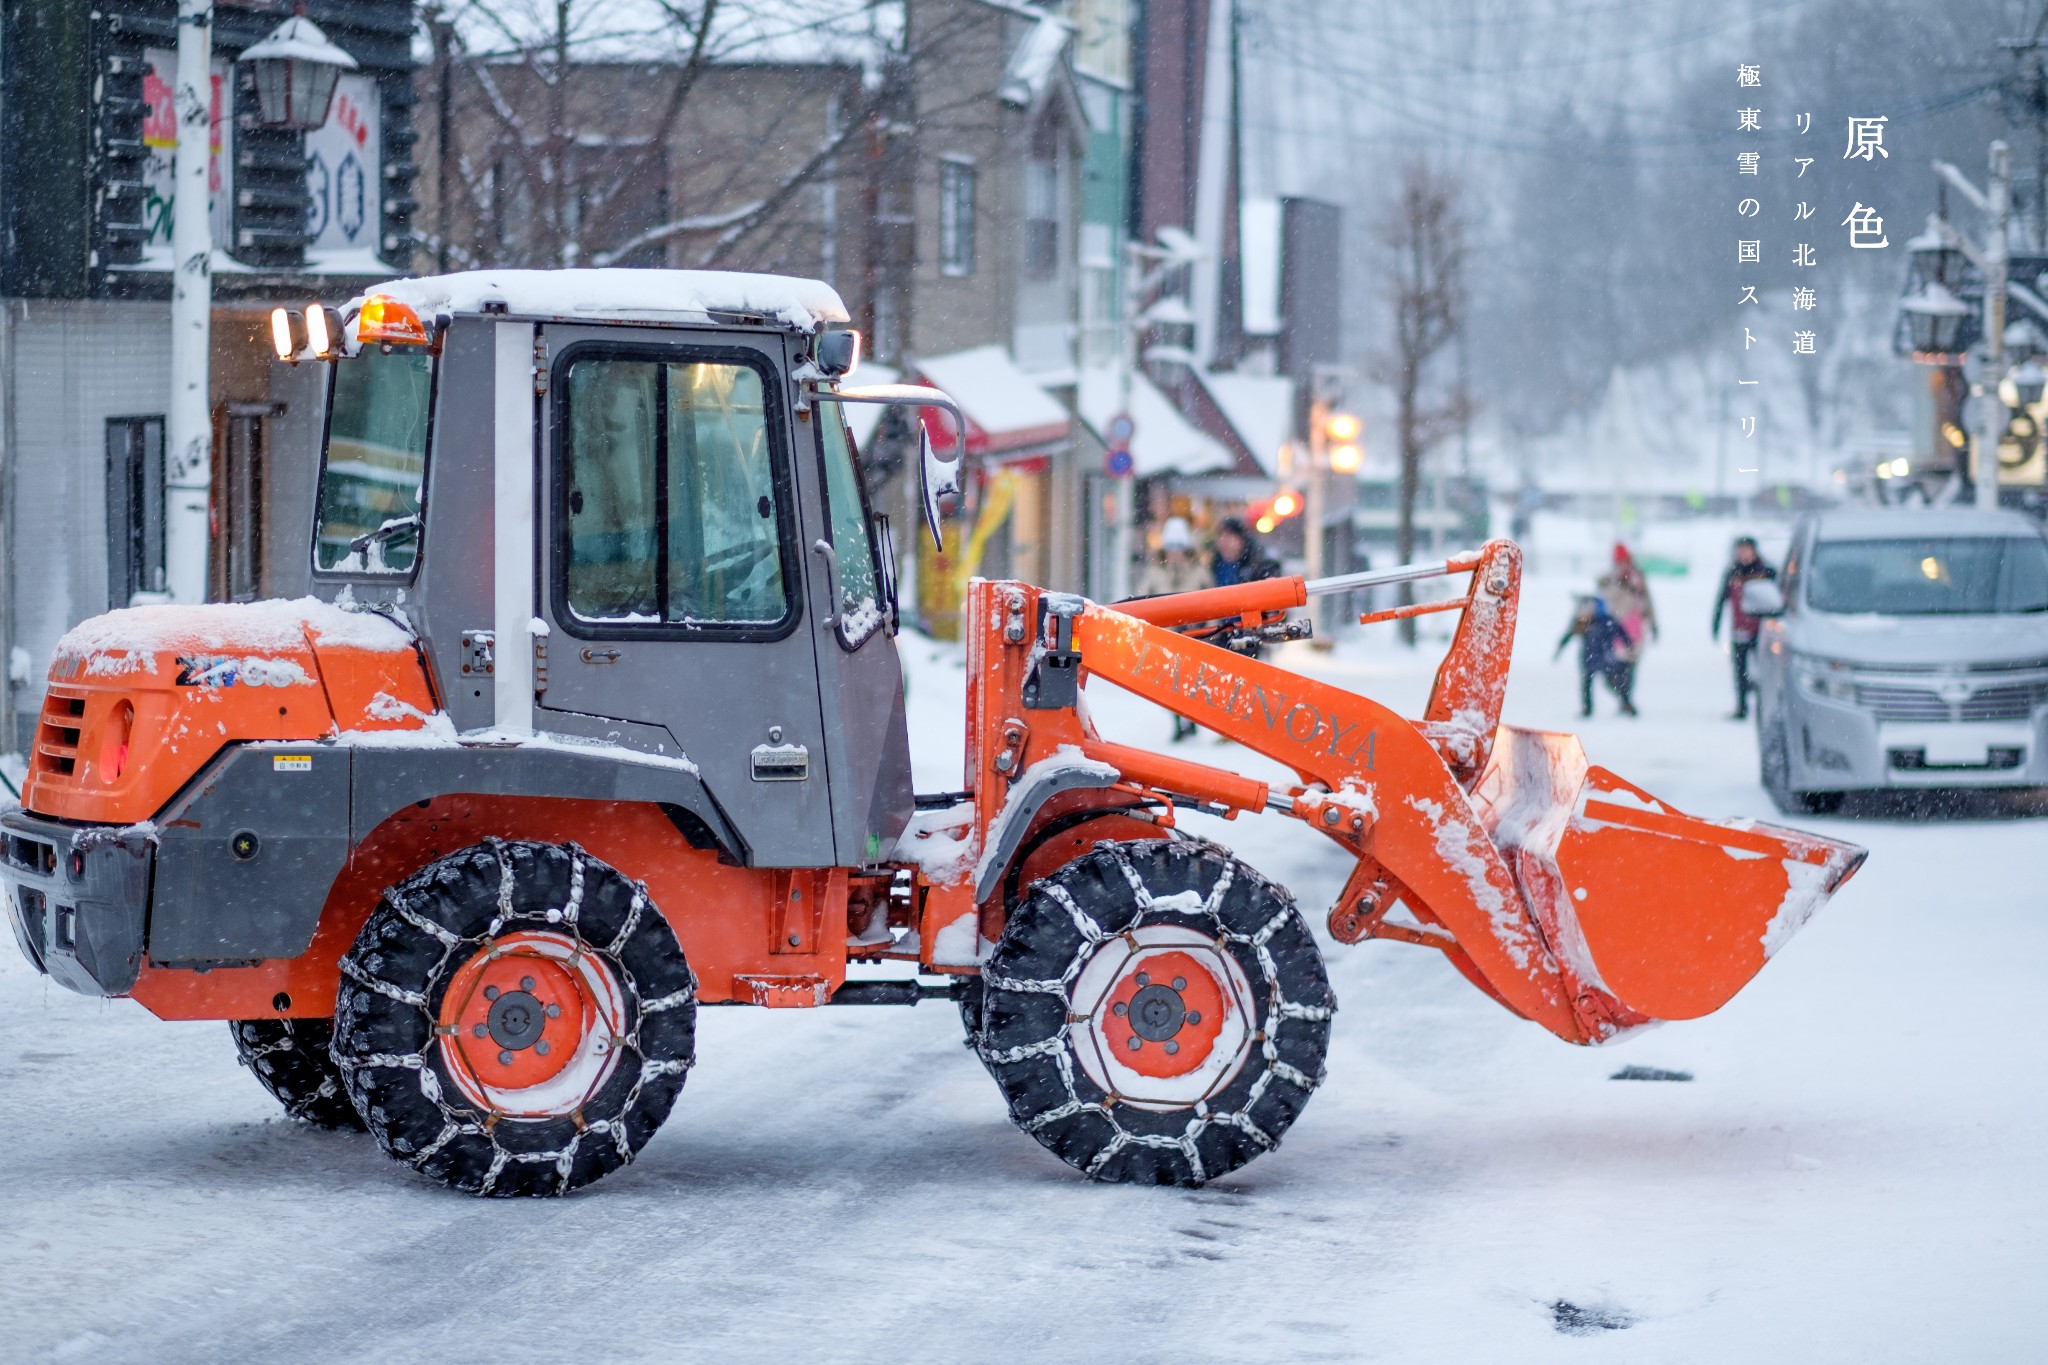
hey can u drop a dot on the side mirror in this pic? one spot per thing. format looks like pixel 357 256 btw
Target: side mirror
pixel 836 353
pixel 1761 597
pixel 939 477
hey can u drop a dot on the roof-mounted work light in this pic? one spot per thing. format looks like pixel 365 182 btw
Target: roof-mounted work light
pixel 287 335
pixel 320 331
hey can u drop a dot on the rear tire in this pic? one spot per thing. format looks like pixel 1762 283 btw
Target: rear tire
pixel 288 1057
pixel 1156 1012
pixel 515 1019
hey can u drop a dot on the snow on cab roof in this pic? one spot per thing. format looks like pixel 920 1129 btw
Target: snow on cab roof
pixel 619 292
pixel 1905 523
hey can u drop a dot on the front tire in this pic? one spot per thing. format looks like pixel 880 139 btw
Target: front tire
pixel 1156 1012
pixel 515 1019
pixel 289 1058
pixel 1774 769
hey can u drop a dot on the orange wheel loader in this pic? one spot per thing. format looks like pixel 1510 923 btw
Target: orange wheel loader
pixel 591 717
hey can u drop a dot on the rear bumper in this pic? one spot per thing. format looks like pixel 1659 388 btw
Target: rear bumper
pixel 78 898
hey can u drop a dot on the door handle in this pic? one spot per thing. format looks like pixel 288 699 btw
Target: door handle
pixel 600 656
pixel 823 549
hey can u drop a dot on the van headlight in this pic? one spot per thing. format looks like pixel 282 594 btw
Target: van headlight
pixel 1828 678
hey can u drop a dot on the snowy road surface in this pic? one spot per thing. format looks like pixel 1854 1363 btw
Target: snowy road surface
pixel 1855 1174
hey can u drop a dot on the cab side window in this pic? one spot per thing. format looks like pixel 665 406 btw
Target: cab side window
pixel 856 595
pixel 668 495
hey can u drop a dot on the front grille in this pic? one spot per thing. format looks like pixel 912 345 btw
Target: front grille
pixel 57 735
pixel 1888 702
pixel 2004 701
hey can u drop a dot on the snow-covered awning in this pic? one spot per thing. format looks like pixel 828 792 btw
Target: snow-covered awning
pixel 1163 441
pixel 1006 409
pixel 1260 408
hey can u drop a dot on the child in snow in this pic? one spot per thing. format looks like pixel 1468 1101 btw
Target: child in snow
pixel 1627 597
pixel 1601 641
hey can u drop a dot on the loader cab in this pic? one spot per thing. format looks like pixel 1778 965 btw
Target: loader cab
pixel 633 533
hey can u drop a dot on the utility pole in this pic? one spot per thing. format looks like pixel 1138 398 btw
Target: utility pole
pixel 1988 365
pixel 1991 412
pixel 444 35
pixel 188 452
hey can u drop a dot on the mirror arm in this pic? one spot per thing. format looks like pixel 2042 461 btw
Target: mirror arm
pixel 908 395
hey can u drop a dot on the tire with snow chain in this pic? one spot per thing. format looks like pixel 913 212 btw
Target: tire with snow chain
pixel 515 1019
pixel 289 1058
pixel 1156 1012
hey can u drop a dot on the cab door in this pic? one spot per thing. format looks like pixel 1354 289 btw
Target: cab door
pixel 673 521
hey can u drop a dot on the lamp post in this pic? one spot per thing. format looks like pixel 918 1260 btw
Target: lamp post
pixel 295 69
pixel 188 421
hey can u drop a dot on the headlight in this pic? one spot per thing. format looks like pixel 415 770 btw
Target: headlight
pixel 1824 677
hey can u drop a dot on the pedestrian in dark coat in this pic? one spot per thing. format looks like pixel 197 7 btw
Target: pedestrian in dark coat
pixel 1239 557
pixel 1746 567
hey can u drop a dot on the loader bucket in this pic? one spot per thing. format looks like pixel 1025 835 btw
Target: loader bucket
pixel 1666 914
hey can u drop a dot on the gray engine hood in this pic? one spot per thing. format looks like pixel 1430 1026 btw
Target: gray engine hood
pixel 1919 639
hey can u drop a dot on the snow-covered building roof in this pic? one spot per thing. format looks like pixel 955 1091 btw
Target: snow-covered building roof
pixel 626 294
pixel 1035 62
pixel 1259 408
pixel 1163 441
pixel 1005 407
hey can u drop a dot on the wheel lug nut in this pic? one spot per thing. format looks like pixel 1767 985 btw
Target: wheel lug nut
pixel 1137 1043
pixel 481 1030
pixel 504 1059
pixel 525 983
pixel 554 1011
pixel 1171 1047
pixel 541 1047
pixel 1144 980
pixel 1194 1016
pixel 1121 1009
pixel 490 992
pixel 1180 983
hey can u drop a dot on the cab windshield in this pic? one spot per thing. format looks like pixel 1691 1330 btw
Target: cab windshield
pixel 376 462
pixel 1957 576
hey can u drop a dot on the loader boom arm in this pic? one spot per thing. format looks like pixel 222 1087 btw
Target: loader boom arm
pixel 1525 866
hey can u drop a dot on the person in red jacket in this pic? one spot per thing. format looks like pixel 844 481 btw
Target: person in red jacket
pixel 1746 566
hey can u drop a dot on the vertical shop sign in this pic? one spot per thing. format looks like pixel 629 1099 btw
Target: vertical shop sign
pixel 344 198
pixel 160 138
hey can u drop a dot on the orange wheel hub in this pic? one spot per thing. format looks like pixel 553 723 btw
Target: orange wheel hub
pixel 1163 1015
pixel 525 1010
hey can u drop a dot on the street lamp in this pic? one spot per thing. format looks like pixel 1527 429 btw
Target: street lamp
pixel 1934 321
pixel 2022 387
pixel 295 70
pixel 1936 256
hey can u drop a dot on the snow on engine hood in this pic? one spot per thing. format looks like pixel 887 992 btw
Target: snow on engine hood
pixel 2010 638
pixel 139 634
pixel 620 292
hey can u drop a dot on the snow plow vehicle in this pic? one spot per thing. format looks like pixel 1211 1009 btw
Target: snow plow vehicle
pixel 593 718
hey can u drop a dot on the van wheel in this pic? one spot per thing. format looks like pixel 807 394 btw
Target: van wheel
pixel 515 1019
pixel 288 1057
pixel 1774 765
pixel 1156 1012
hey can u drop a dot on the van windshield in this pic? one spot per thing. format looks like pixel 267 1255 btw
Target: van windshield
pixel 1975 575
pixel 376 462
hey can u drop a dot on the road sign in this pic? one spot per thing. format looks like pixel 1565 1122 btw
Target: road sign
pixel 1120 430
pixel 1118 463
